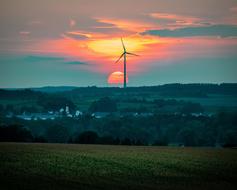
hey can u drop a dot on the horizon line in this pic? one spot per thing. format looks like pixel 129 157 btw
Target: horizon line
pixel 98 86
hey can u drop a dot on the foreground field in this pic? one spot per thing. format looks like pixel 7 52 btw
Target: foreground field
pixel 62 166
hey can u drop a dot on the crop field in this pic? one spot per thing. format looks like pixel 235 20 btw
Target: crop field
pixel 67 166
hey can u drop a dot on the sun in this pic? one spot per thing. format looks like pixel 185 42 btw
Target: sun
pixel 116 78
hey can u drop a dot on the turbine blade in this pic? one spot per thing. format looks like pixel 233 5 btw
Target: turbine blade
pixel 123 45
pixel 119 58
pixel 132 54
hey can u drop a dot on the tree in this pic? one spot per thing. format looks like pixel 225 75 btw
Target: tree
pixel 9 108
pixel 103 105
pixel 191 107
pixel 126 141
pixel 106 140
pixel 15 133
pixel 1 110
pixel 40 139
pixel 230 139
pixel 161 142
pixel 29 109
pixel 187 137
pixel 55 103
pixel 87 137
pixel 57 134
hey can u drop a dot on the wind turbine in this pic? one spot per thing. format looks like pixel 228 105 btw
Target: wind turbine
pixel 124 54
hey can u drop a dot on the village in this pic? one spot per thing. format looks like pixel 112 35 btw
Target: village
pixel 66 113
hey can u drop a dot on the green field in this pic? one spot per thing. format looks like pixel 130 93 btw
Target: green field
pixel 63 166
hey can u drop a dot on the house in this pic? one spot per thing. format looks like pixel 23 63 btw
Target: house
pixel 78 113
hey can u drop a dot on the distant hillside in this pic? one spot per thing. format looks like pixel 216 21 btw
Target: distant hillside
pixel 46 89
pixel 53 89
pixel 170 90
pixel 167 90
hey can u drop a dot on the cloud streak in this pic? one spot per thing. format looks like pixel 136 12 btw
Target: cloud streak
pixel 214 30
pixel 65 60
pixel 175 20
pixel 75 63
pixel 126 25
pixel 38 58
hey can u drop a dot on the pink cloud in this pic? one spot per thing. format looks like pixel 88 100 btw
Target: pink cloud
pixel 176 21
pixel 127 25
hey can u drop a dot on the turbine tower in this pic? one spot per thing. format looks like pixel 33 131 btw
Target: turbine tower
pixel 124 54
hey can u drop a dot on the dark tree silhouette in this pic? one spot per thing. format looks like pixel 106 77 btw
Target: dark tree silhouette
pixel 15 133
pixel 87 137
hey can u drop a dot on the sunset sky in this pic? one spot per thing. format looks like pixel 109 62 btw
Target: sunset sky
pixel 76 42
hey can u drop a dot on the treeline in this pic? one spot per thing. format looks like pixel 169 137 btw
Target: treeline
pixel 18 133
pixel 23 94
pixel 162 129
pixel 42 103
pixel 15 133
pixel 91 137
pixel 173 90
pixel 47 103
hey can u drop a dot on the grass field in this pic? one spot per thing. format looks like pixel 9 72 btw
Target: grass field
pixel 63 166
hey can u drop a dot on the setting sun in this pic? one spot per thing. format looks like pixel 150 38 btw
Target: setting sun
pixel 116 78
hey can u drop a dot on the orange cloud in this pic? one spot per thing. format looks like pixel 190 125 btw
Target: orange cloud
pixel 86 34
pixel 79 33
pixel 127 25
